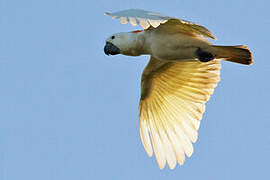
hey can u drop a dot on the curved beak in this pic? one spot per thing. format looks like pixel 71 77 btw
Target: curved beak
pixel 111 49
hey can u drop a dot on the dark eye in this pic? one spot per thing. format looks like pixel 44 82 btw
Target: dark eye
pixel 113 37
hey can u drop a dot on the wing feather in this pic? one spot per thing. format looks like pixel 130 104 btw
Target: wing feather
pixel 133 21
pixel 155 131
pixel 171 106
pixel 147 19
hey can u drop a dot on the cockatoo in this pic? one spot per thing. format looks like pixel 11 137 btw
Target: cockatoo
pixel 178 80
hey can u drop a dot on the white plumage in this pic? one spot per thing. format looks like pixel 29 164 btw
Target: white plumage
pixel 147 19
pixel 181 75
pixel 172 111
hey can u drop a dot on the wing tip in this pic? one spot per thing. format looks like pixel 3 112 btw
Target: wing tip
pixel 161 165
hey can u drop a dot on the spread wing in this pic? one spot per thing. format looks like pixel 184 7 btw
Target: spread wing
pixel 149 19
pixel 172 102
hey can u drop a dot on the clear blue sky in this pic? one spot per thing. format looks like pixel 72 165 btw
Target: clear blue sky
pixel 69 112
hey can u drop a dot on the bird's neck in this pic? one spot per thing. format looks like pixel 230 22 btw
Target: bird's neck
pixel 138 44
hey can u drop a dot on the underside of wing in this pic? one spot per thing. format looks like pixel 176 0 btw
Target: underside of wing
pixel 149 19
pixel 138 16
pixel 172 102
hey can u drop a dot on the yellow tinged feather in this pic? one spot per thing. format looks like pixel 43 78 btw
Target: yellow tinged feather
pixel 179 81
pixel 158 149
pixel 183 93
pixel 163 136
pixel 178 154
pixel 178 149
pixel 132 21
pixel 184 137
pixel 154 23
pixel 188 148
pixel 145 138
pixel 179 117
pixel 155 135
pixel 168 23
pixel 190 132
pixel 174 100
pixel 169 152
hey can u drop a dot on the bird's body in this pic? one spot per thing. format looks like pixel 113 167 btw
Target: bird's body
pixel 171 46
pixel 181 75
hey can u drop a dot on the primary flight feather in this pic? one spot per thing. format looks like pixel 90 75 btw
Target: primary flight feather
pixel 181 75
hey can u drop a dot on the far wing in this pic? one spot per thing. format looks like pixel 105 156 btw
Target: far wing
pixel 172 102
pixel 147 19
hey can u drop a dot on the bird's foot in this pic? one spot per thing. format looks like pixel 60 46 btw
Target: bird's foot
pixel 204 56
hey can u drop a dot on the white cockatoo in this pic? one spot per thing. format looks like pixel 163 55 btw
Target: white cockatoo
pixel 181 75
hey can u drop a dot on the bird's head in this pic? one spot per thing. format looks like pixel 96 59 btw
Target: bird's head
pixel 121 43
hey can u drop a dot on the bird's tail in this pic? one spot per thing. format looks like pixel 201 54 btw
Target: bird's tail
pixel 238 54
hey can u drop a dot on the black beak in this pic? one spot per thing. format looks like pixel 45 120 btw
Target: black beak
pixel 111 49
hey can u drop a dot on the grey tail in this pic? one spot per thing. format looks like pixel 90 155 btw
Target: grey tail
pixel 238 54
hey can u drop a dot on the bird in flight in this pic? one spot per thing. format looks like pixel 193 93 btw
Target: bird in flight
pixel 182 72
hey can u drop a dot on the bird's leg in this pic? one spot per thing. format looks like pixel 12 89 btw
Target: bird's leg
pixel 204 56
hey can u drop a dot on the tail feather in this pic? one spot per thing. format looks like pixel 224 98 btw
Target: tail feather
pixel 238 54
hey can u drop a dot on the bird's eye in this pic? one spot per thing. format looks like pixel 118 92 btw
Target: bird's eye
pixel 113 37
